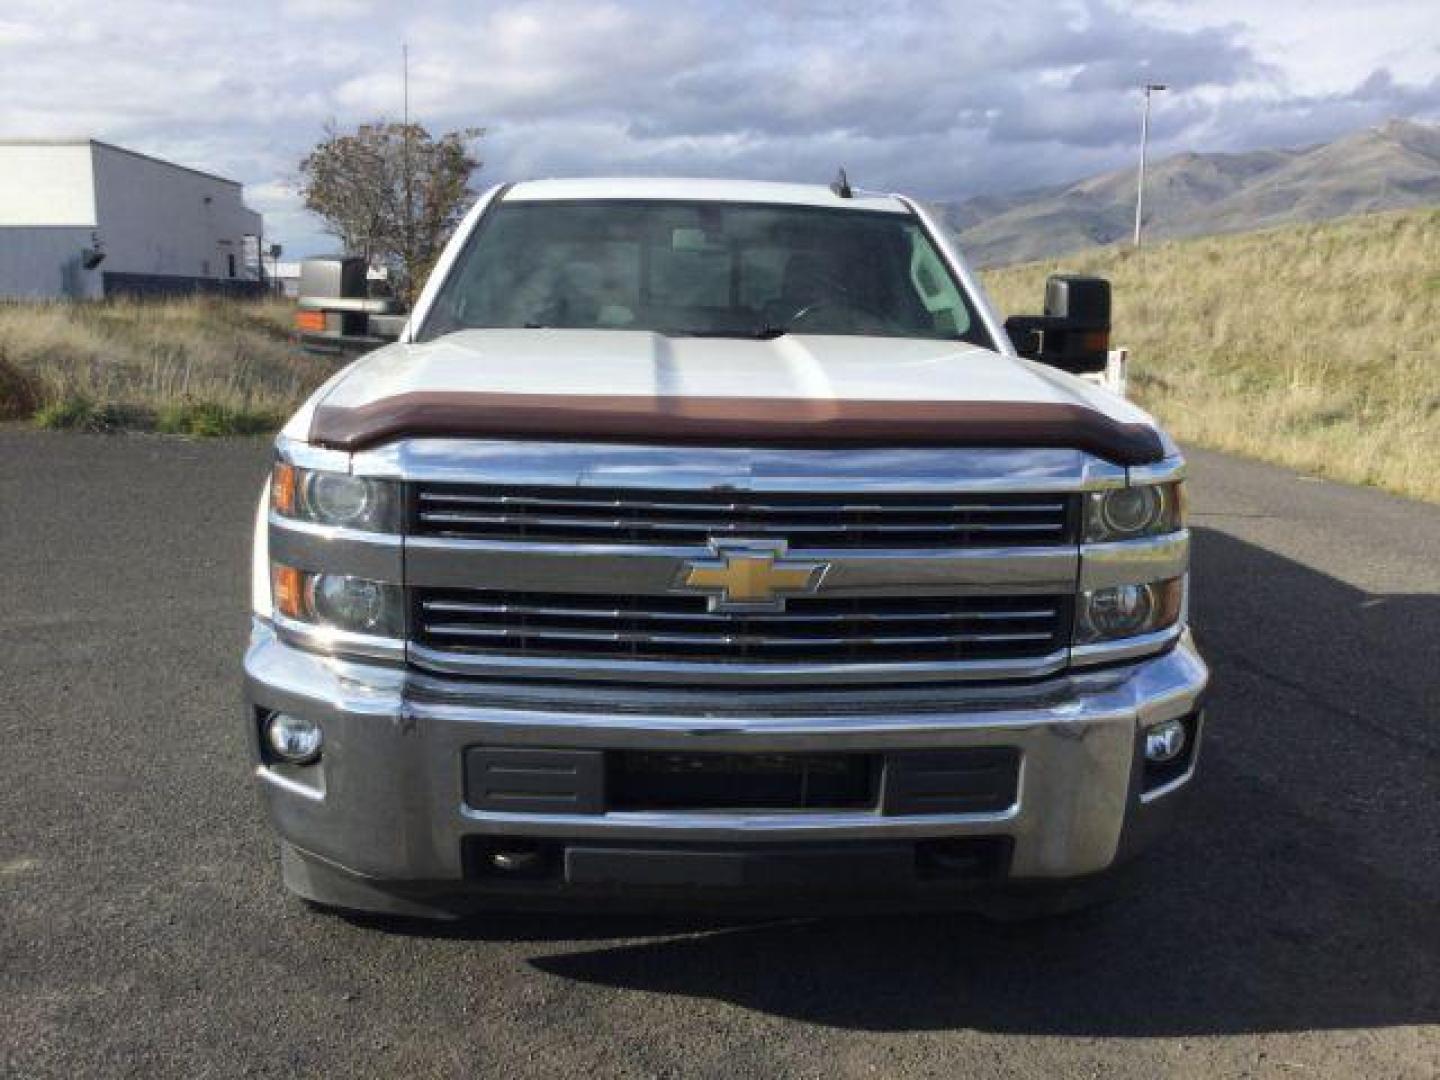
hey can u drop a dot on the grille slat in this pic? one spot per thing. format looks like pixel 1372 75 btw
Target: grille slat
pixel 757 640
pixel 680 627
pixel 742 527
pixel 757 507
pixel 667 518
pixel 612 613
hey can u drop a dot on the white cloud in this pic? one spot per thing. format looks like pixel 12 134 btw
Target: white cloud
pixel 1322 47
pixel 17 33
pixel 944 97
pixel 319 9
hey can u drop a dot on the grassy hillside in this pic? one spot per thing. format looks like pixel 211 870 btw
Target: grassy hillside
pixel 194 366
pixel 1315 346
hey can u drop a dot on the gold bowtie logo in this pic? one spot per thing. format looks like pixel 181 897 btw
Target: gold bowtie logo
pixel 750 575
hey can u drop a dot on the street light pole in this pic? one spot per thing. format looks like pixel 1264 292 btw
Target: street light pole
pixel 1150 88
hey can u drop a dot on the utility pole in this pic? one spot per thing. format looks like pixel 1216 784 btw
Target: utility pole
pixel 408 181
pixel 1150 88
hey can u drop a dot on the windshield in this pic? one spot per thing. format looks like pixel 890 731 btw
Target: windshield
pixel 702 269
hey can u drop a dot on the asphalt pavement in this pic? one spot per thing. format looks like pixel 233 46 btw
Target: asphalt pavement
pixel 1290 928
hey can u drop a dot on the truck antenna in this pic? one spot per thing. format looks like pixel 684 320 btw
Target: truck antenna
pixel 841 186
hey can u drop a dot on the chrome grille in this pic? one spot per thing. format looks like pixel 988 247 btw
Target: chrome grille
pixel 680 628
pixel 664 518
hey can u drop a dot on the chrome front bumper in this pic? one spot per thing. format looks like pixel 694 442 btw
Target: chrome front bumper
pixel 386 801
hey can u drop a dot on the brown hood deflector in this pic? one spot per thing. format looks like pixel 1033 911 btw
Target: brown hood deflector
pixel 736 421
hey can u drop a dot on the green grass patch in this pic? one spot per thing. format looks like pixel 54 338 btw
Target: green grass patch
pixel 197 418
pixel 77 413
pixel 208 418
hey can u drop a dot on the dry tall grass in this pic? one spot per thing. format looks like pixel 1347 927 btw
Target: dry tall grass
pixel 1315 346
pixel 203 365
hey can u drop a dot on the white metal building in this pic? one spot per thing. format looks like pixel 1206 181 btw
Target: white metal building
pixel 87 219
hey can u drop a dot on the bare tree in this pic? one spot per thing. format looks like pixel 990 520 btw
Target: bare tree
pixel 392 193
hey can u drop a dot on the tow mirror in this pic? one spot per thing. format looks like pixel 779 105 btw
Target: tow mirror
pixel 335 313
pixel 1074 332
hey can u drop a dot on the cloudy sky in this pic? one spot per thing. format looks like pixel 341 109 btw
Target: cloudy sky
pixel 944 99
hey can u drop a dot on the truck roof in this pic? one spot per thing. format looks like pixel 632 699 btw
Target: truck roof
pixel 699 190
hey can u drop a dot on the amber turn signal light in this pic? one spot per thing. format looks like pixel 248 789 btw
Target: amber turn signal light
pixel 282 489
pixel 1170 597
pixel 287 590
pixel 312 322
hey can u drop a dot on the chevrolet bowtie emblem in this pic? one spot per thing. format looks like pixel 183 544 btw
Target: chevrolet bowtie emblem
pixel 750 575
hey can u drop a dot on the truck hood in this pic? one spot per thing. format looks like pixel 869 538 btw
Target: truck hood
pixel 792 390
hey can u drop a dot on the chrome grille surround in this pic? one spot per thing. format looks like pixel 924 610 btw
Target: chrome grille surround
pixel 916 574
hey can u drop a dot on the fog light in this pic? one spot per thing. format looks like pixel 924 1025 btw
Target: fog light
pixel 293 739
pixel 1165 741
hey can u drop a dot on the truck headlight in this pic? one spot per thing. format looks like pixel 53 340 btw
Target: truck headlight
pixel 335 498
pixel 1124 611
pixel 349 603
pixel 352 605
pixel 1129 513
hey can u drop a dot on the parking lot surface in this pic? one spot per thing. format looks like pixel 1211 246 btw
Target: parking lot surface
pixel 1291 928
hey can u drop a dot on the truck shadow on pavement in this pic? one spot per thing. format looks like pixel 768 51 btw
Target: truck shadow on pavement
pixel 1301 891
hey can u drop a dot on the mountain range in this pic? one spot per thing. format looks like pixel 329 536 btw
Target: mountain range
pixel 1394 166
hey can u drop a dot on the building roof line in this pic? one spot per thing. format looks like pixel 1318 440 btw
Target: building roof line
pixel 45 142
pixel 88 226
pixel 169 164
pixel 122 150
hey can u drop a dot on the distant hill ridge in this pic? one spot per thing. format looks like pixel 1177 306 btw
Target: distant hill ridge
pixel 1391 167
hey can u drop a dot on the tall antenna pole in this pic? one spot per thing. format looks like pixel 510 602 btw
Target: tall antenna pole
pixel 409 219
pixel 1150 88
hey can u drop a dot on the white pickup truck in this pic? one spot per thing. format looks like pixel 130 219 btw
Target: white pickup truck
pixel 711 543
